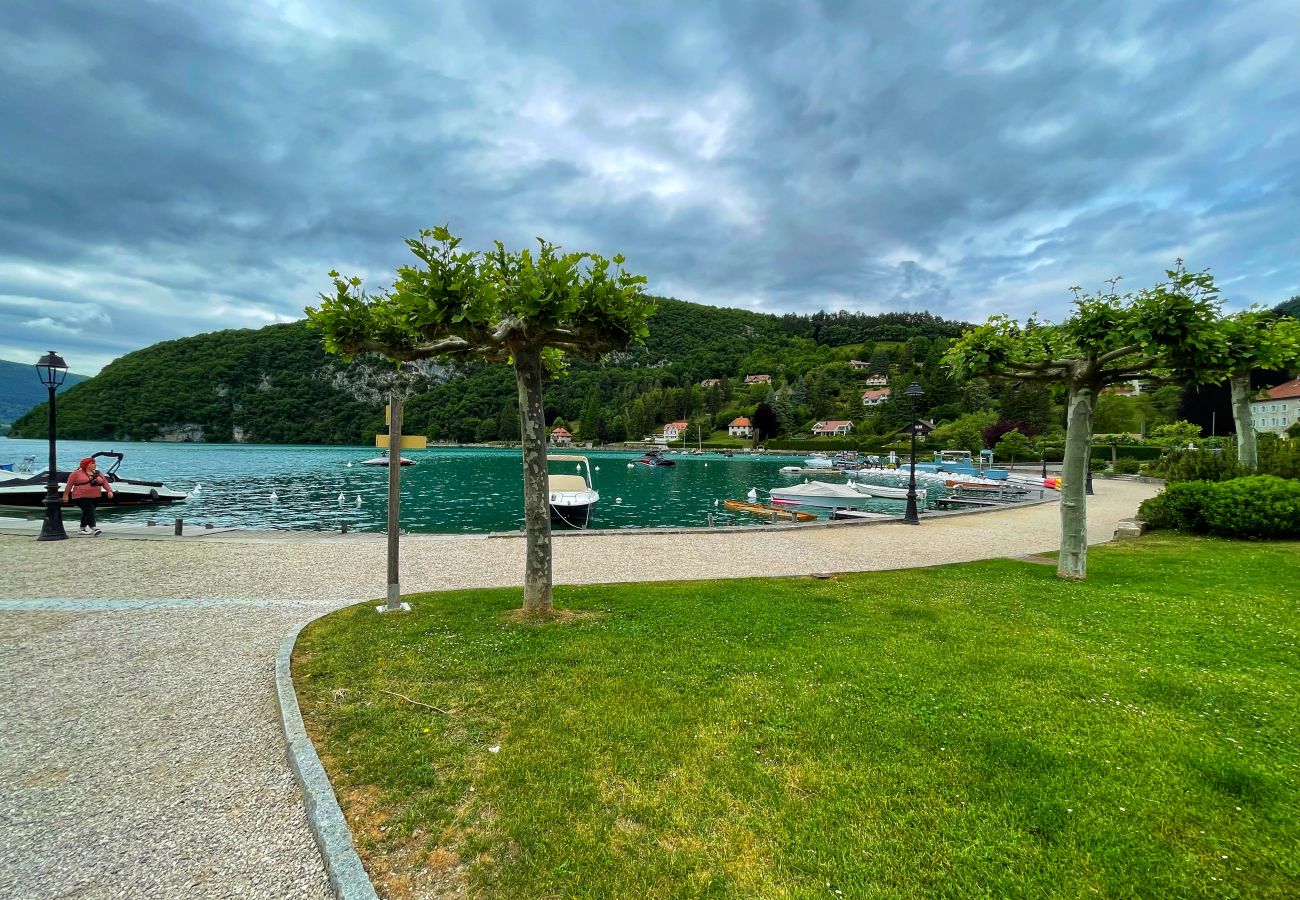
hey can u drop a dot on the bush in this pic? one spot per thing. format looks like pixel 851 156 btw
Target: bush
pixel 1199 465
pixel 1099 465
pixel 1127 465
pixel 1259 506
pixel 1280 458
pixel 1180 506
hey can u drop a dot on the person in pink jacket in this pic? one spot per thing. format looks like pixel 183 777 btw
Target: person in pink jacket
pixel 84 486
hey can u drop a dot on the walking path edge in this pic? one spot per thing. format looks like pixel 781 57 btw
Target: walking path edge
pixel 347 876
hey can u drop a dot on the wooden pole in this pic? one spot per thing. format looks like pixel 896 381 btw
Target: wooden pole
pixel 394 498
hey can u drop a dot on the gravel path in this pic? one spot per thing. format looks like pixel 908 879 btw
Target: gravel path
pixel 140 752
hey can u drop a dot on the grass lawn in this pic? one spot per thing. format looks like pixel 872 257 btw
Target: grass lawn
pixel 973 730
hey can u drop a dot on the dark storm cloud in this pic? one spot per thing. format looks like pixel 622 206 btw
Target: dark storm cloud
pixel 180 168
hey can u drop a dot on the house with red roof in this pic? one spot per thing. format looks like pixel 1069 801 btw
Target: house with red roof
pixel 560 436
pixel 875 398
pixel 1277 409
pixel 833 428
pixel 741 427
pixel 674 430
pixel 758 379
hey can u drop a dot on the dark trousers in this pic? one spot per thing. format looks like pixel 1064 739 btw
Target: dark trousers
pixel 87 505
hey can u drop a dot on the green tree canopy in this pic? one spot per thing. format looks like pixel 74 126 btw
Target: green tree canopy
pixel 525 308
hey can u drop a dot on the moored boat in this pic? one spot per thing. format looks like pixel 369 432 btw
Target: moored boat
pixel 655 458
pixel 819 493
pixel 888 493
pixel 572 497
pixel 759 509
pixel 24 487
pixel 383 460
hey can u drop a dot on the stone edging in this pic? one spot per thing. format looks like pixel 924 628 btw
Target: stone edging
pixel 347 877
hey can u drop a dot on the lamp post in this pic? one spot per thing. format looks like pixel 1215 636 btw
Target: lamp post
pixel 51 369
pixel 912 393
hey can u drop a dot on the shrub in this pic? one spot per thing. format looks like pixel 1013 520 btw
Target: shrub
pixel 1280 458
pixel 1199 465
pixel 1127 465
pixel 1258 506
pixel 1180 506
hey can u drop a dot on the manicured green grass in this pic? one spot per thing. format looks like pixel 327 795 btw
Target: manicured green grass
pixel 976 730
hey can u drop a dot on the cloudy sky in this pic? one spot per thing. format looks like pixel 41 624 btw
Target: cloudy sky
pixel 170 168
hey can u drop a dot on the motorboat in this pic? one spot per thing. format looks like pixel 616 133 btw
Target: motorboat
pixel 572 497
pixel 24 486
pixel 819 493
pixel 655 458
pixel 884 491
pixel 960 462
pixel 383 460
pixel 818 461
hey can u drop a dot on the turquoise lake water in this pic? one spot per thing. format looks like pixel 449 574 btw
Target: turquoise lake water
pixel 449 490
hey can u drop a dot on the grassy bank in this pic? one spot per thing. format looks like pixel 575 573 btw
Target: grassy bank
pixel 974 730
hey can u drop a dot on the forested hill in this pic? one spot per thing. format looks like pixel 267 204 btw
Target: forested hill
pixel 20 389
pixel 277 385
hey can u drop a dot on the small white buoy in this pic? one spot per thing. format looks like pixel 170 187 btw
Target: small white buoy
pixel 349 463
pixel 273 497
pixel 341 498
pixel 630 466
pixel 753 494
pixel 715 502
pixel 597 468
pixel 618 500
pixel 198 488
pixel 706 465
pixel 358 499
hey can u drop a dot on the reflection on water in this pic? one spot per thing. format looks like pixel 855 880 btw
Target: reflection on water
pixel 447 490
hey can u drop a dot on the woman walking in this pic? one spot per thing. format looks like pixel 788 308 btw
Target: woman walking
pixel 85 485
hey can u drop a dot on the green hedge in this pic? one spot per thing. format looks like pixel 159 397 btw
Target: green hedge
pixel 1257 506
pixel 1132 451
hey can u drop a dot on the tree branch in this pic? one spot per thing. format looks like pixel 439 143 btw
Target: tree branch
pixel 1118 354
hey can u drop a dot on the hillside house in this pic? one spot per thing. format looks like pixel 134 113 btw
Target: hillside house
pixel 741 427
pixel 833 428
pixel 674 431
pixel 859 364
pixel 711 383
pixel 875 398
pixel 561 437
pixel 876 381
pixel 758 379
pixel 1276 409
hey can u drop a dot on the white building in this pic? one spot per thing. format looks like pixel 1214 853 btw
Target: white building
pixel 875 398
pixel 561 436
pixel 674 430
pixel 1277 409
pixel 838 427
pixel 741 427
pixel 877 380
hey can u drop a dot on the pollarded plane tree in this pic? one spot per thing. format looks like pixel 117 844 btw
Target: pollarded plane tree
pixel 1254 339
pixel 527 309
pixel 1164 332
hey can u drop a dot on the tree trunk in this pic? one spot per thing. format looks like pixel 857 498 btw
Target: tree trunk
pixel 537 512
pixel 394 496
pixel 1247 447
pixel 1073 562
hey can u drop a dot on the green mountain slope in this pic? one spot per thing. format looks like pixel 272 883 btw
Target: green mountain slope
pixel 276 384
pixel 20 389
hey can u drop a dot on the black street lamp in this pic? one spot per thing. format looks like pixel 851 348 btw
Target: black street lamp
pixel 912 393
pixel 52 370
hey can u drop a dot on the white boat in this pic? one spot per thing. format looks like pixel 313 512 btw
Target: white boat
pixel 880 490
pixel 819 461
pixel 572 497
pixel 819 493
pixel 791 470
pixel 22 486
pixel 383 460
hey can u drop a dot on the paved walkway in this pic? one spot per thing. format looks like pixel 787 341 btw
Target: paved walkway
pixel 140 754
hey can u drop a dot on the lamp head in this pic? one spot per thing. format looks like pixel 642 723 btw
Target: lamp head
pixel 913 391
pixel 51 369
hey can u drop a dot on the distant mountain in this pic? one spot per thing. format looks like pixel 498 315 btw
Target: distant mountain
pixel 20 389
pixel 278 385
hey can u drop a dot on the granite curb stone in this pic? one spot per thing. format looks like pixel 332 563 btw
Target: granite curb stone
pixel 347 877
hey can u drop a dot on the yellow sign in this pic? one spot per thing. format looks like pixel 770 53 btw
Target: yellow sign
pixel 409 441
